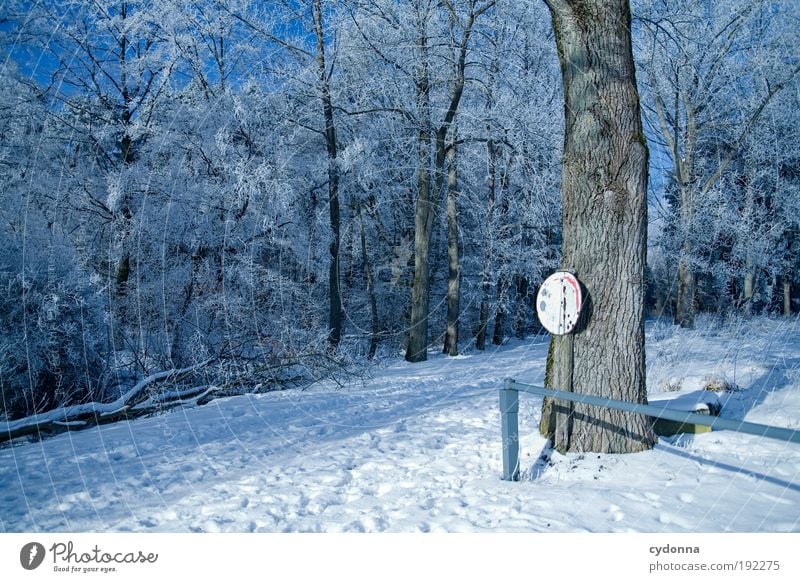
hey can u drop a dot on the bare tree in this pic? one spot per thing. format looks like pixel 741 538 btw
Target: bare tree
pixel 335 319
pixel 428 191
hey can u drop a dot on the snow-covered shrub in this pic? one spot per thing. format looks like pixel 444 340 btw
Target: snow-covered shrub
pixel 672 385
pixel 50 334
pixel 716 384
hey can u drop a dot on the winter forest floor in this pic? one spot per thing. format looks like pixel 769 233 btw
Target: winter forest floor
pixel 416 447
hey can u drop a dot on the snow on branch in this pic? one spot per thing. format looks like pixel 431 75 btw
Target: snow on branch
pixel 129 405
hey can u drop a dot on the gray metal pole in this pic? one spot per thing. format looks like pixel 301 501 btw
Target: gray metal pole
pixel 509 427
pixel 715 422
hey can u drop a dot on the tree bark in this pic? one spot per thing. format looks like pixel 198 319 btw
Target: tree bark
pixel 453 257
pixel 605 223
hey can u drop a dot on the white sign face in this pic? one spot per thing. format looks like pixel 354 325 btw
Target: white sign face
pixel 558 303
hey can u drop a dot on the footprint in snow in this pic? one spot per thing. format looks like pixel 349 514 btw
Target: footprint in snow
pixel 616 513
pixel 672 519
pixel 776 499
pixel 428 504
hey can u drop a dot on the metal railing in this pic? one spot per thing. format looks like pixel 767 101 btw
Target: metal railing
pixel 509 419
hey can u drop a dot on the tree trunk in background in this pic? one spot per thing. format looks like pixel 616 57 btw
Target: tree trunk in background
pixel 687 278
pixel 124 217
pixel 787 295
pixel 500 314
pixel 604 189
pixel 502 285
pixel 423 218
pixel 684 306
pixel 335 315
pixel 749 273
pixel 428 191
pixel 453 256
pixel 486 284
pixel 521 320
pixel 373 298
pixel 749 281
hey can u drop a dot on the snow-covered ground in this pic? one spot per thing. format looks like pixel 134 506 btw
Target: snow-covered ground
pixel 417 448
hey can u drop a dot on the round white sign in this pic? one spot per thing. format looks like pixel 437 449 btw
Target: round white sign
pixel 558 303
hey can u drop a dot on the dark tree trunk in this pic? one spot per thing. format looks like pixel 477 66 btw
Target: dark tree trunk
pixel 122 270
pixel 787 295
pixel 521 299
pixel 373 298
pixel 335 315
pixel 500 315
pixel 684 305
pixel 605 225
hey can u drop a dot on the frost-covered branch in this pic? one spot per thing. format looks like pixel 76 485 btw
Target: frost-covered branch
pixel 92 413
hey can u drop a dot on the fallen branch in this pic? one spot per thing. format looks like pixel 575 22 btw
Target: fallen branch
pixel 132 404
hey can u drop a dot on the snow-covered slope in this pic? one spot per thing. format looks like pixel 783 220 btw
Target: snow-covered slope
pixel 417 448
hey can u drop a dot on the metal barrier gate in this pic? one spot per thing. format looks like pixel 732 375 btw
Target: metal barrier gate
pixel 509 419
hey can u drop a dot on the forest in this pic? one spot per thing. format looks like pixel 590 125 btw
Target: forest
pixel 241 196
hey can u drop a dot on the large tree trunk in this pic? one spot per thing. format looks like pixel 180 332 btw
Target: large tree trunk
pixel 335 315
pixel 605 224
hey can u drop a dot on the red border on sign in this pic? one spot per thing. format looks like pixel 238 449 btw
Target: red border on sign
pixel 575 285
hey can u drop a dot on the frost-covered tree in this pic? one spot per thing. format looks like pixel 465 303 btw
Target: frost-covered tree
pixel 708 71
pixel 457 95
pixel 52 334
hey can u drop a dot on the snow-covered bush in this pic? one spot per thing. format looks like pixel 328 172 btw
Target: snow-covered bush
pixel 51 336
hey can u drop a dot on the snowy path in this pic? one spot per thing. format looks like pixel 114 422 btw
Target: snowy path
pixel 416 448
